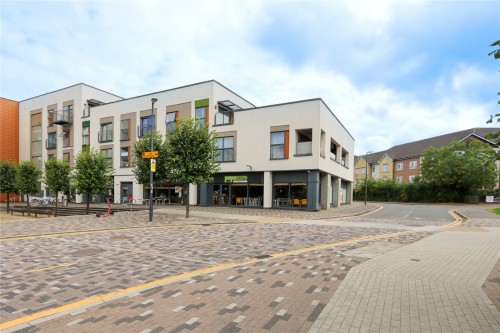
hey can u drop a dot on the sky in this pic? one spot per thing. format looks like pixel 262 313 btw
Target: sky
pixel 391 71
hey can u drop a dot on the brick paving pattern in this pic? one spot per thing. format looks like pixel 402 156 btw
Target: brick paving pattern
pixel 287 293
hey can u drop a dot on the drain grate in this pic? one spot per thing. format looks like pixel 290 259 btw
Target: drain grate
pixel 263 256
pixel 415 259
pixel 206 225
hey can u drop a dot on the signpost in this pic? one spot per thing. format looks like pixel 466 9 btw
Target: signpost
pixel 150 154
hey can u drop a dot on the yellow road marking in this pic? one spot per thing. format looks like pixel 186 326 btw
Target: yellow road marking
pixel 102 298
pixel 457 217
pixel 51 267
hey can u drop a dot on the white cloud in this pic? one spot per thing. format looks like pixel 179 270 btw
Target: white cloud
pixel 133 48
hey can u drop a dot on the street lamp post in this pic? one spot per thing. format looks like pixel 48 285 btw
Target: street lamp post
pixel 153 101
pixel 366 175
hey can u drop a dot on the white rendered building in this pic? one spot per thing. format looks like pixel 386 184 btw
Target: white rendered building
pixel 295 155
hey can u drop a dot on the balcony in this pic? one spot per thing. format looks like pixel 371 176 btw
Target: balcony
pixel 224 118
pixel 63 117
pixel 304 148
pixel 105 136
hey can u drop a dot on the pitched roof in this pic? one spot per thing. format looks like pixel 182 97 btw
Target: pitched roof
pixel 416 148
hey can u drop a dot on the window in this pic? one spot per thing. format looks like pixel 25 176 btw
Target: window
pixel 345 158
pixel 413 164
pixel 399 166
pixel 357 171
pixel 224 117
pixel 226 149
pixel 386 167
pixel 125 157
pixel 279 145
pixel 86 136
pixel 364 170
pixel 52 140
pixel 399 179
pixel 146 125
pixel 50 117
pixel 412 178
pixel 66 138
pixel 108 153
pixel 333 151
pixel 171 121
pixel 201 116
pixel 373 168
pixel 106 133
pixel 66 157
pixel 36 134
pixel 125 129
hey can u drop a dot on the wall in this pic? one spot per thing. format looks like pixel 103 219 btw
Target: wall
pixel 9 134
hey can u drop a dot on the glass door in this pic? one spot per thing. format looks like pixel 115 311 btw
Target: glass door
pixel 221 195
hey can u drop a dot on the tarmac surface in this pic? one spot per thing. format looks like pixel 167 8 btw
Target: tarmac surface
pixel 251 270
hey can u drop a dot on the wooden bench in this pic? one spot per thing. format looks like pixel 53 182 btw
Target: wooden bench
pixel 34 210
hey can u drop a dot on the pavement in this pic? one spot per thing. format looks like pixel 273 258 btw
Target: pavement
pixel 334 272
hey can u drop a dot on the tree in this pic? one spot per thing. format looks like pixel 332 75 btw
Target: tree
pixel 57 176
pixel 27 180
pixel 92 174
pixel 191 153
pixel 459 169
pixel 8 179
pixel 141 166
pixel 496 54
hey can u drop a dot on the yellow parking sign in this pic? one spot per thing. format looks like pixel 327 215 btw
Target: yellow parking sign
pixel 153 165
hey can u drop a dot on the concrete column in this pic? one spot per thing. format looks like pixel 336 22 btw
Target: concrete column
pixel 268 189
pixel 325 190
pixel 204 194
pixel 193 194
pixel 336 192
pixel 313 190
pixel 349 193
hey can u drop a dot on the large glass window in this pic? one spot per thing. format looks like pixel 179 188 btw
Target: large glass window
pixel 290 195
pixel 277 145
pixel 106 133
pixel 66 138
pixel 86 136
pixel 125 157
pixel 146 125
pixel 125 129
pixel 108 153
pixel 50 117
pixel 170 121
pixel 226 149
pixel 36 134
pixel 52 140
pixel 201 116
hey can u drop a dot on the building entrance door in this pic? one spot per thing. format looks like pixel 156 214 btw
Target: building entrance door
pixel 221 195
pixel 126 192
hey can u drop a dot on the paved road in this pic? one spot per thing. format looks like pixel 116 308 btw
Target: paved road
pixel 203 277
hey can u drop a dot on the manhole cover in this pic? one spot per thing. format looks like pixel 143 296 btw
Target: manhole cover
pixel 85 252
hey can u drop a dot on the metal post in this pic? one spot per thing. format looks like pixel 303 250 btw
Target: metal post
pixel 366 175
pixel 153 101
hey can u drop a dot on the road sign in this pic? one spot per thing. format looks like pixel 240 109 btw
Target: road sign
pixel 150 154
pixel 153 165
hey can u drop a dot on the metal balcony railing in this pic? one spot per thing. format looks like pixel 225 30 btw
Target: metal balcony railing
pixel 105 136
pixel 63 117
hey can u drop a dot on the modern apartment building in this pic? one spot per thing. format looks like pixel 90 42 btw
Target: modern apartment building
pixel 401 163
pixel 9 134
pixel 295 155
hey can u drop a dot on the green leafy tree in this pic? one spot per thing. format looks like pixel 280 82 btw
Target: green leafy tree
pixel 8 179
pixel 141 166
pixel 92 174
pixel 27 181
pixel 57 176
pixel 459 169
pixel 191 153
pixel 496 54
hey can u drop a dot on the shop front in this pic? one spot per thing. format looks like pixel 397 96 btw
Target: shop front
pixel 165 192
pixel 243 189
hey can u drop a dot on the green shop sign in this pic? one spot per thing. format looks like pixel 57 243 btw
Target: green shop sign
pixel 228 179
